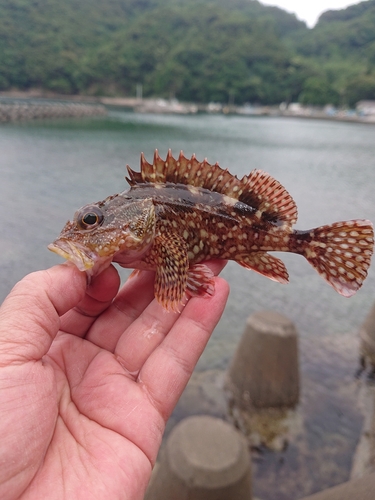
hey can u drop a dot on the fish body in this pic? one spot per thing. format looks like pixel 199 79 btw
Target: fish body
pixel 179 213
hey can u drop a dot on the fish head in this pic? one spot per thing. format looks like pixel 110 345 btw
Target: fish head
pixel 118 229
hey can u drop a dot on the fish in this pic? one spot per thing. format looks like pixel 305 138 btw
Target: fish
pixel 180 213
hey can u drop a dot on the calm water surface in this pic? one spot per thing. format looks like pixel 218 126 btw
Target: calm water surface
pixel 48 169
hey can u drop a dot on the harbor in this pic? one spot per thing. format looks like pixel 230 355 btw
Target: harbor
pixel 19 106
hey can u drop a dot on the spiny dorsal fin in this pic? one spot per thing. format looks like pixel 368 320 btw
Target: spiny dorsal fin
pixel 258 190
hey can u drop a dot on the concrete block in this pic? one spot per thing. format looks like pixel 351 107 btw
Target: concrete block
pixel 357 489
pixel 264 372
pixel 367 339
pixel 204 459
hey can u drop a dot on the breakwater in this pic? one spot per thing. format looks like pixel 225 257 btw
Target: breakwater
pixel 21 110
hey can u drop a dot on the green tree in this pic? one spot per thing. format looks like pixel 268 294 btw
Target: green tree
pixel 318 91
pixel 359 88
pixel 198 50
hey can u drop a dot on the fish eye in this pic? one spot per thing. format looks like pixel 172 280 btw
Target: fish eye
pixel 90 217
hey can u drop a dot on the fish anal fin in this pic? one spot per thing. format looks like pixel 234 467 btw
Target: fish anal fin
pixel 341 253
pixel 263 263
pixel 169 254
pixel 200 281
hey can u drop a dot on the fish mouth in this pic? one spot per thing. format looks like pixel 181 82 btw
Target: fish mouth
pixel 81 256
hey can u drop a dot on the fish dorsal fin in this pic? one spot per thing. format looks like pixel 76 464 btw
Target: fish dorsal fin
pixel 258 189
pixel 272 198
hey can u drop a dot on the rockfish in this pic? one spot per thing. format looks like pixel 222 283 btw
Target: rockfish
pixel 179 213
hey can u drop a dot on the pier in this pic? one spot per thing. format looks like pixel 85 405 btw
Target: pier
pixel 14 110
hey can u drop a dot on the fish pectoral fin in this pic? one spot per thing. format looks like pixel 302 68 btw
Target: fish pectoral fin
pixel 200 281
pixel 134 274
pixel 169 252
pixel 265 264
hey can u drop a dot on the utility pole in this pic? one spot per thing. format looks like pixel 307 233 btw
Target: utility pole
pixel 139 91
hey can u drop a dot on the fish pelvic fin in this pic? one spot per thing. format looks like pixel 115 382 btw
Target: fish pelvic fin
pixel 200 281
pixel 341 253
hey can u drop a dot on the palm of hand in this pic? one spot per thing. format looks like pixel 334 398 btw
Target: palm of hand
pixel 84 417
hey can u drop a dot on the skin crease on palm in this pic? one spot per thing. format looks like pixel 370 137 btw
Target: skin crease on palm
pixel 89 375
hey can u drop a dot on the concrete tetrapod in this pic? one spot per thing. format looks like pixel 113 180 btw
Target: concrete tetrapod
pixel 357 489
pixel 264 371
pixel 204 459
pixel 367 337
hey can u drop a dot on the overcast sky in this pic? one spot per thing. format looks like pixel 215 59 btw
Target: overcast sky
pixel 309 10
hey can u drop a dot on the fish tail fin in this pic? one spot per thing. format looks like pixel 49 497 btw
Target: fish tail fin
pixel 341 253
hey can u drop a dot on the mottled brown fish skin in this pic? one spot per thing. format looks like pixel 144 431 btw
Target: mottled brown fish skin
pixel 180 213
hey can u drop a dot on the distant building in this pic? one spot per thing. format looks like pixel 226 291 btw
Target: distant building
pixel 365 108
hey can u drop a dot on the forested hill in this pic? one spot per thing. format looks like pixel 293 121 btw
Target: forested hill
pixel 196 50
pixel 342 46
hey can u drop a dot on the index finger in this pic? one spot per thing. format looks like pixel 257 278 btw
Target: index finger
pixel 99 295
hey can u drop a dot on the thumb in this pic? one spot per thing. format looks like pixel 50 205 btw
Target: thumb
pixel 30 315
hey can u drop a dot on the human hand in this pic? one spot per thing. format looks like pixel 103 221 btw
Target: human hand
pixel 88 379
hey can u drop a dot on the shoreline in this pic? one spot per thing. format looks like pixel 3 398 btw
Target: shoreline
pixel 53 105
